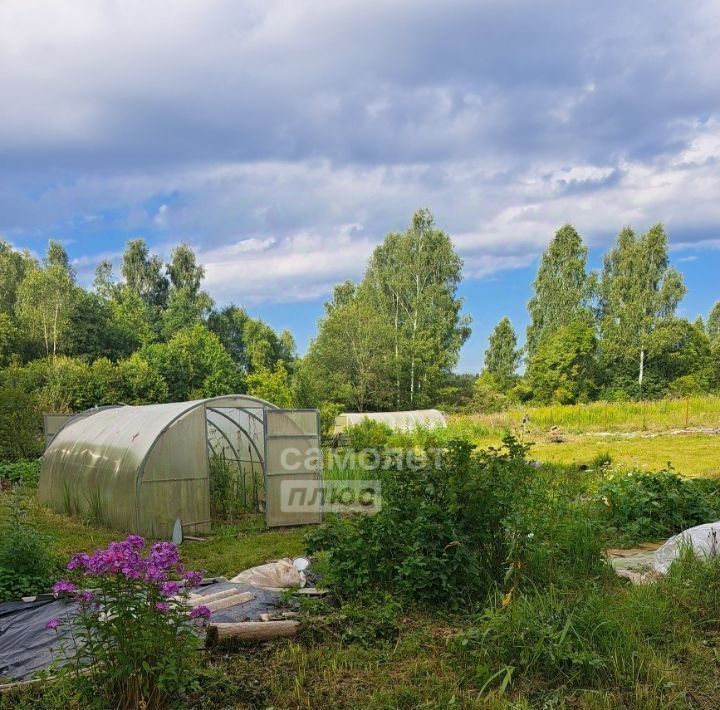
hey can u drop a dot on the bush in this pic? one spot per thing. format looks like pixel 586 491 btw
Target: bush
pixel 368 434
pixel 444 534
pixel 132 642
pixel 26 472
pixel 26 565
pixel 642 506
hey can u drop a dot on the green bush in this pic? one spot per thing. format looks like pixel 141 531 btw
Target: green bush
pixel 643 506
pixel 26 564
pixel 27 472
pixel 368 434
pixel 445 533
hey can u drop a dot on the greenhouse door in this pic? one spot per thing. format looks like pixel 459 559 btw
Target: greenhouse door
pixel 293 466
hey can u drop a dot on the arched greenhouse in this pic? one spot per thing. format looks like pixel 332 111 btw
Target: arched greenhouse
pixel 141 468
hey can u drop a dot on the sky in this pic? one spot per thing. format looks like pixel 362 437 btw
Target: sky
pixel 284 139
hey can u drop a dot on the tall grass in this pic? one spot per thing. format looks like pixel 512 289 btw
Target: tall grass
pixel 657 415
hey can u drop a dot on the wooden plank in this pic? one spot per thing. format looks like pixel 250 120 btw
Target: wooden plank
pixel 227 602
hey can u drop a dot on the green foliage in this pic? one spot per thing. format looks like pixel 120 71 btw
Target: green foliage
pixel 562 287
pixel 349 362
pixel 563 367
pixel 502 356
pixel 368 434
pixel 411 282
pixel 26 565
pixel 649 506
pixel 194 364
pixel 443 534
pixel 639 292
pixel 712 326
pixel 20 424
pixel 488 395
pixel 272 385
pixel 234 488
pixel 24 472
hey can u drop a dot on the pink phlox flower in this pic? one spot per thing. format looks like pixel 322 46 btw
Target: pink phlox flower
pixel 170 589
pixel 200 612
pixel 192 578
pixel 64 586
pixel 53 623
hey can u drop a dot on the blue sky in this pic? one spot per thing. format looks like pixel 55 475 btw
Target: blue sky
pixel 283 140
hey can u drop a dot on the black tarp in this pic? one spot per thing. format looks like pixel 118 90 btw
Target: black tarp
pixel 28 646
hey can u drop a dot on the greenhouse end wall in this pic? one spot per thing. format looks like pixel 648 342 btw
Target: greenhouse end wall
pixel 134 469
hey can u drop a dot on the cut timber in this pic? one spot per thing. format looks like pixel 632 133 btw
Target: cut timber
pixel 227 602
pixel 311 591
pixel 196 599
pixel 251 631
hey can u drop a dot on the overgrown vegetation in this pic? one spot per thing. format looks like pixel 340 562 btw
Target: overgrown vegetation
pixel 27 565
pixel 649 506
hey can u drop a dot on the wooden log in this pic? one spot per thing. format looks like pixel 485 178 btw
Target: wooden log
pixel 251 631
pixel 227 602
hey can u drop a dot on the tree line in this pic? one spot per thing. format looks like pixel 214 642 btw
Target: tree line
pixel 390 341
pixel 611 334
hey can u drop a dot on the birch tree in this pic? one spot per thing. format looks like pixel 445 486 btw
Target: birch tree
pixel 412 280
pixel 639 292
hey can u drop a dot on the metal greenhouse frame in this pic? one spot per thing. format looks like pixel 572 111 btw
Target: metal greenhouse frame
pixel 141 468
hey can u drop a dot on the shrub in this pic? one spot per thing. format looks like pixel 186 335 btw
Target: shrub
pixel 444 534
pixel 26 472
pixel 26 565
pixel 368 434
pixel 641 506
pixel 131 626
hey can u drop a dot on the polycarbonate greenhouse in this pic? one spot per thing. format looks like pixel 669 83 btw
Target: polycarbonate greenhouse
pixel 141 468
pixel 399 421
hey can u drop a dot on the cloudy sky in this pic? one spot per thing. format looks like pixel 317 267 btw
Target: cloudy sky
pixel 283 139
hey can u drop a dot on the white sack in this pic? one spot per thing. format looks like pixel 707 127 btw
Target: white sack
pixel 273 575
pixel 704 540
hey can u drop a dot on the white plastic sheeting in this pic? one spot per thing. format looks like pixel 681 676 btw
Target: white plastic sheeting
pixel 399 421
pixel 703 539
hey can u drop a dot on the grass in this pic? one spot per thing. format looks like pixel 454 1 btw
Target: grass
pixel 660 415
pixel 601 645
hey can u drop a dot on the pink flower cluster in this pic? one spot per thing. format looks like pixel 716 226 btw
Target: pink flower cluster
pixel 125 558
pixel 159 567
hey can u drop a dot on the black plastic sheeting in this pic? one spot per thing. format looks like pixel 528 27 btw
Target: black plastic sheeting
pixel 28 646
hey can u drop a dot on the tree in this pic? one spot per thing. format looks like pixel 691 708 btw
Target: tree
pixel 184 309
pixel 13 267
pixel 104 284
pixel 562 287
pixel 412 282
pixel 502 356
pixel 639 292
pixel 350 361
pixel 272 385
pixel 44 303
pixel 712 326
pixel 252 343
pixel 57 256
pixel 563 367
pixel 194 364
pixel 184 271
pixel 144 274
pixel 132 323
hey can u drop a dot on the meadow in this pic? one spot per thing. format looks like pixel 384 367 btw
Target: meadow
pixel 523 611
